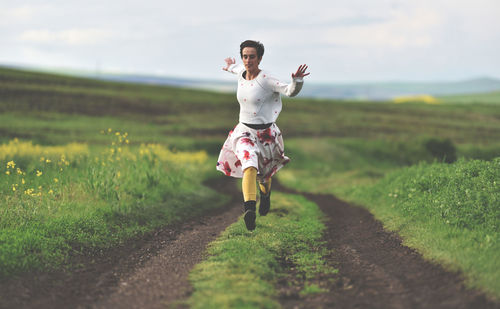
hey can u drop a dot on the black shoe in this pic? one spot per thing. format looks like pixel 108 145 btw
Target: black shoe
pixel 250 215
pixel 265 203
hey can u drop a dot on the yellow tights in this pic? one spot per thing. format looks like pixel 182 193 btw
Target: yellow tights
pixel 248 185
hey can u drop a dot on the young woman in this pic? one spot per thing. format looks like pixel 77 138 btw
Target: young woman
pixel 254 148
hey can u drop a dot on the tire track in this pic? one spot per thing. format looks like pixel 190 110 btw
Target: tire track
pixel 145 273
pixel 376 270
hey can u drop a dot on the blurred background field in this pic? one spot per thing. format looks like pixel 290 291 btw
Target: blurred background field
pixel 359 150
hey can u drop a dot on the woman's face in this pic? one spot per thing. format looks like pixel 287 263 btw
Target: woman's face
pixel 250 59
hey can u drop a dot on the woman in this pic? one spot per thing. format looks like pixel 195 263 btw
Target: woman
pixel 254 148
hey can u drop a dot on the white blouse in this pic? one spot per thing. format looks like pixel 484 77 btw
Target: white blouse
pixel 259 98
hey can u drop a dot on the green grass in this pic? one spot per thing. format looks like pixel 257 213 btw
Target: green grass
pixel 450 212
pixel 58 205
pixel 488 98
pixel 336 146
pixel 242 267
pixel 45 108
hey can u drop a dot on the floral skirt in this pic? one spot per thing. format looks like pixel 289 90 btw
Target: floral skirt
pixel 246 147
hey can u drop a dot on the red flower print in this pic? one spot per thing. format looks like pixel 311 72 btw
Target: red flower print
pixel 238 163
pixel 265 136
pixel 247 141
pixel 246 155
pixel 227 169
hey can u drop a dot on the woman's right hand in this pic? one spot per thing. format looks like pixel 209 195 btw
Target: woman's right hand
pixel 229 62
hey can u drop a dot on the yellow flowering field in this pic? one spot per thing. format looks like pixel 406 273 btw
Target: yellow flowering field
pixel 58 199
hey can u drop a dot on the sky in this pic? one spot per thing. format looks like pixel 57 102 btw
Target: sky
pixel 340 40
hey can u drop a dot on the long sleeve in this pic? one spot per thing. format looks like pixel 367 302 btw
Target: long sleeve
pixel 290 90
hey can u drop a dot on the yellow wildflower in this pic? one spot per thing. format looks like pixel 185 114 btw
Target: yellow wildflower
pixel 19 171
pixel 109 130
pixel 56 180
pixel 7 172
pixel 13 188
pixel 117 133
pixel 48 161
pixel 38 173
pixel 118 174
pixel 11 164
pixel 23 181
pixel 424 98
pixel 51 192
pixel 126 141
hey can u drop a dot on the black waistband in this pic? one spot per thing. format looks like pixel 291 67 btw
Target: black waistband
pixel 258 126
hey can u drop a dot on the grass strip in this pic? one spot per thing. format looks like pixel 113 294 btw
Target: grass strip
pixel 241 268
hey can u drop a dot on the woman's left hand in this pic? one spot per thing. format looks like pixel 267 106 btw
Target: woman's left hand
pixel 301 71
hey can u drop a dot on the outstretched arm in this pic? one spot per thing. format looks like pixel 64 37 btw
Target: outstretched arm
pixel 292 89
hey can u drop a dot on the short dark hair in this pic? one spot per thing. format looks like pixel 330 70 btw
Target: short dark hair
pixel 255 44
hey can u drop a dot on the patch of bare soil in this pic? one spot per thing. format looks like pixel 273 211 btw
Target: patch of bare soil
pixel 151 272
pixel 375 269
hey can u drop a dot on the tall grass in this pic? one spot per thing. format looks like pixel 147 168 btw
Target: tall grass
pixel 66 200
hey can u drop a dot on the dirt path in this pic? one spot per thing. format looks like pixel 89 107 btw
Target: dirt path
pixel 376 270
pixel 146 273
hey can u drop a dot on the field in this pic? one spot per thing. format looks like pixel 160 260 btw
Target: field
pixel 88 165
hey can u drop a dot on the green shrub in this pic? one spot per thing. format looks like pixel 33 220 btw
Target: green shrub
pixel 441 149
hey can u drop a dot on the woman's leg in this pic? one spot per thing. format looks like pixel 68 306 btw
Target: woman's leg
pixel 265 187
pixel 265 197
pixel 249 189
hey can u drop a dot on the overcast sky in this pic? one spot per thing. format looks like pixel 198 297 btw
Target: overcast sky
pixel 341 41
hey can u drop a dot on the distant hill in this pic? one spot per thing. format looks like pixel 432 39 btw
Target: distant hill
pixel 348 91
pixel 390 90
pixel 352 91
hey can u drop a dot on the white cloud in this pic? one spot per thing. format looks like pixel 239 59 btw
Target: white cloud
pixel 387 29
pixel 17 14
pixel 68 37
pixel 341 39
